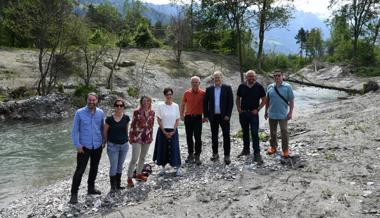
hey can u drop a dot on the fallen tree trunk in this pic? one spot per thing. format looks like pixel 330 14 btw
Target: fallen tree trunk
pixel 352 91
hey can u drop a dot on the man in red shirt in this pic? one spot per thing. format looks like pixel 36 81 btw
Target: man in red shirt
pixel 191 113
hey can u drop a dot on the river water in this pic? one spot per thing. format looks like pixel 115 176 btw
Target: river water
pixel 37 154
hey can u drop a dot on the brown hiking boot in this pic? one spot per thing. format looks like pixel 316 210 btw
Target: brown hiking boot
pixel 141 177
pixel 130 183
pixel 285 153
pixel 271 150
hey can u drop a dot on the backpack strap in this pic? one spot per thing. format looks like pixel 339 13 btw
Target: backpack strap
pixel 282 97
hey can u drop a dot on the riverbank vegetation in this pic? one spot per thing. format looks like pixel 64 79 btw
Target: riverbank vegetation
pixel 77 37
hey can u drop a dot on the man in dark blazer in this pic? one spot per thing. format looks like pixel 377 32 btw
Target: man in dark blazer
pixel 217 109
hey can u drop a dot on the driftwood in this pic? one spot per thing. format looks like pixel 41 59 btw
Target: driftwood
pixel 352 91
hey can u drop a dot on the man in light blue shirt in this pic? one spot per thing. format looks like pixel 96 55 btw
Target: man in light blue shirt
pixel 280 98
pixel 217 91
pixel 87 136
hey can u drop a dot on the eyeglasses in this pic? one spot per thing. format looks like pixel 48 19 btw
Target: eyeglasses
pixel 168 94
pixel 277 75
pixel 118 105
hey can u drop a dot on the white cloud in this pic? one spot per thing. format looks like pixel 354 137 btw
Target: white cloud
pixel 318 7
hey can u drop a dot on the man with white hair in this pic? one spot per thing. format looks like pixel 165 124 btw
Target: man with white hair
pixel 191 113
pixel 248 105
pixel 217 108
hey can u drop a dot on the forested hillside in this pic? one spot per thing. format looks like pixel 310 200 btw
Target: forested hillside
pixel 75 37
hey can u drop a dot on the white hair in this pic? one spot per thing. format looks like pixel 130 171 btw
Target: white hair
pixel 195 77
pixel 250 72
pixel 217 73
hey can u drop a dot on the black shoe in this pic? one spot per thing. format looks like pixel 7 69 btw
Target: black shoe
pixel 244 153
pixel 258 159
pixel 93 191
pixel 118 181
pixel 190 159
pixel 197 160
pixel 73 199
pixel 113 183
pixel 227 160
pixel 215 157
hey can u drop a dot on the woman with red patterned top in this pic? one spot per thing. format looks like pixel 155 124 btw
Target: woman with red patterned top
pixel 140 137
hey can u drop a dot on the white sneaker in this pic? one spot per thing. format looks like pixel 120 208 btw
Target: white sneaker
pixel 178 172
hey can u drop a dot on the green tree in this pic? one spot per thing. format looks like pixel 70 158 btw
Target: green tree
pixel 301 38
pixel 144 38
pixel 159 30
pixel 92 46
pixel 314 43
pixel 211 32
pixel 179 35
pixel 339 44
pixel 133 10
pixel 359 13
pixel 104 16
pixel 270 14
pixel 44 23
pixel 236 13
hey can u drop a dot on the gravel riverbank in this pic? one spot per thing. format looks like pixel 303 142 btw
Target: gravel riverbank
pixel 336 174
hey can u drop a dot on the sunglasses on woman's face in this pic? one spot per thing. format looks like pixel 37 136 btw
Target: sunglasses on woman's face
pixel 119 105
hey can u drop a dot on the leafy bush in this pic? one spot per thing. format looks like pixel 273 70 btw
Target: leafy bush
pixel 133 91
pixel 144 37
pixel 83 90
pixel 368 71
pixel 366 54
pixel 80 95
pixel 60 87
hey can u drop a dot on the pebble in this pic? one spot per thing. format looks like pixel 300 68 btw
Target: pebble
pixel 370 183
pixel 366 193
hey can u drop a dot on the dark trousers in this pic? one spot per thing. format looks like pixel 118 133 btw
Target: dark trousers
pixel 82 159
pixel 247 121
pixel 193 127
pixel 225 125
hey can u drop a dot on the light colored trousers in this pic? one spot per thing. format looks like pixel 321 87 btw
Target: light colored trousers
pixel 139 152
pixel 284 133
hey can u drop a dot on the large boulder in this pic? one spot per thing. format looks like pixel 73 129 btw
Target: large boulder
pixel 370 86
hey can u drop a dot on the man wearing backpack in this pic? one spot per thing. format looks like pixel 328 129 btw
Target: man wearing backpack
pixel 280 98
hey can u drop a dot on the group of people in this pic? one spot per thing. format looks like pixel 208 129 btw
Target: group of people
pixel 90 133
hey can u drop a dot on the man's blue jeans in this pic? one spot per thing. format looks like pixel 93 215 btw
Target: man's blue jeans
pixel 247 121
pixel 117 154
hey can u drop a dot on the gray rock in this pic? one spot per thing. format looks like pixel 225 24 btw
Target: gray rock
pixel 50 107
pixel 126 63
pixel 370 86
